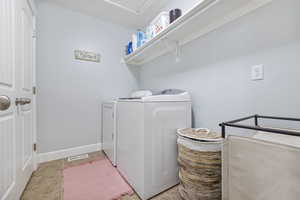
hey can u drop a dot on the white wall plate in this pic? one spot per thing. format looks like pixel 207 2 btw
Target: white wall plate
pixel 257 72
pixel 87 56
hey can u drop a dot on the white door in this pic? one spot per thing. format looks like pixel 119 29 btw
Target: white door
pixel 108 131
pixel 16 122
pixel 8 92
pixel 24 77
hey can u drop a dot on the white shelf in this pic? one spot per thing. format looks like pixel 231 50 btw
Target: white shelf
pixel 203 18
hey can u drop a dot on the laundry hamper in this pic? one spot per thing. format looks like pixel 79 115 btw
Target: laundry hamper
pixel 199 157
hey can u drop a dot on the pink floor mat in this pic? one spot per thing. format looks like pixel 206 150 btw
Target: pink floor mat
pixel 98 180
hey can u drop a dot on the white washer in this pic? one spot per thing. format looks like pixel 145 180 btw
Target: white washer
pixel 109 130
pixel 146 145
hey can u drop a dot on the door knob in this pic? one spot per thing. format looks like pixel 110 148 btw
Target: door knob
pixel 23 101
pixel 4 102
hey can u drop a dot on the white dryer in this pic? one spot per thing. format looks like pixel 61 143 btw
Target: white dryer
pixel 109 130
pixel 146 146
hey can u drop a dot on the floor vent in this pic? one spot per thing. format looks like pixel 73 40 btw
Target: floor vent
pixel 78 157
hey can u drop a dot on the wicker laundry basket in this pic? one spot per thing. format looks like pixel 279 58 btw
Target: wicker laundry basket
pixel 200 164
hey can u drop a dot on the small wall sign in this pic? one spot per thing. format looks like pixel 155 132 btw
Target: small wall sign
pixel 87 56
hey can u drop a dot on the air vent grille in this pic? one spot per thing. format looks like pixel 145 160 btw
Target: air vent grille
pixel 78 157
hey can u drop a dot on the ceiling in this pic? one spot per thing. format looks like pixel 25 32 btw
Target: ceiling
pixel 130 13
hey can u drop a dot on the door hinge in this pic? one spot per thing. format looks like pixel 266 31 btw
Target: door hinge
pixel 34 90
pixel 34 34
pixel 34 147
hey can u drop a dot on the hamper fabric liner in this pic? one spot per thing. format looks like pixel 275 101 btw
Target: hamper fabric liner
pixel 262 167
pixel 200 164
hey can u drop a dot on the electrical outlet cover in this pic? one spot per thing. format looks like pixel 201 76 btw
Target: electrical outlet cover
pixel 257 72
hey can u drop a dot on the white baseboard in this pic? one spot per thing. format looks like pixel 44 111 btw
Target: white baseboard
pixel 64 153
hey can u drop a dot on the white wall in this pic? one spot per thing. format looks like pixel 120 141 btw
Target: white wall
pixel 215 69
pixel 70 92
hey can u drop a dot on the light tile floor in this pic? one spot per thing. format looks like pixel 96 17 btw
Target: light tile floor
pixel 47 182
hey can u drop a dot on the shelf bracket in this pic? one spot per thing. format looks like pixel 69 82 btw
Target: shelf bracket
pixel 173 45
pixel 122 61
pixel 177 52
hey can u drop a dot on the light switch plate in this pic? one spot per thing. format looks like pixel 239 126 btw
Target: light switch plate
pixel 257 72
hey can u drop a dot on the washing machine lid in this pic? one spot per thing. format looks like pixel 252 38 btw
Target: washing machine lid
pixel 110 102
pixel 169 95
pixel 184 96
